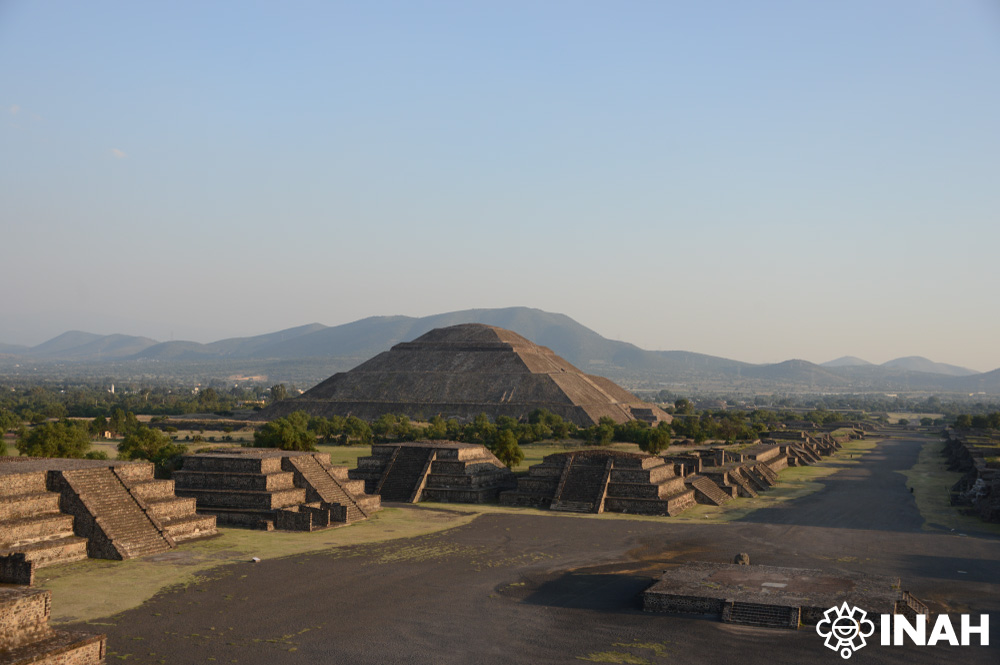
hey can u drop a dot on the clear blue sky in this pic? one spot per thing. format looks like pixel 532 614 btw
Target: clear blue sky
pixel 757 180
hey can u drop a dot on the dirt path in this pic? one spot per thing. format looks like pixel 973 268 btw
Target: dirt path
pixel 871 495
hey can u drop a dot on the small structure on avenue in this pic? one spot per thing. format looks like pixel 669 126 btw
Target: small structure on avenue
pixel 771 596
pixel 445 471
pixel 594 481
pixel 27 637
pixel 462 371
pixel 264 488
pixel 63 510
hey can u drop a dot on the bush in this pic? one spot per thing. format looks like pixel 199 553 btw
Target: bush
pixel 153 445
pixel 289 433
pixel 59 439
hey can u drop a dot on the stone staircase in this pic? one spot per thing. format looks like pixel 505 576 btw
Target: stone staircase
pixel 117 525
pixel 330 485
pixel 763 616
pixel 707 491
pixel 33 533
pixel 404 473
pixel 583 489
pixel 743 488
pixel 26 637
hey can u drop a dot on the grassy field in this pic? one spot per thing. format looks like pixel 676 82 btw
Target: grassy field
pixel 931 482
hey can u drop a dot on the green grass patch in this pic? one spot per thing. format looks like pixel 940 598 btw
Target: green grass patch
pixel 96 588
pixel 931 482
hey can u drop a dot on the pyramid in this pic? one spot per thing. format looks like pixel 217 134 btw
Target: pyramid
pixel 462 371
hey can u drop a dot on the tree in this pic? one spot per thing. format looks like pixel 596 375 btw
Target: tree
pixel 684 406
pixel 289 433
pixel 64 438
pixel 146 443
pixel 99 425
pixel 506 448
pixel 278 392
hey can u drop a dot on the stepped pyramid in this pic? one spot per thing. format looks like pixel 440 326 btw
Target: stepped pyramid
pixel 462 371
pixel 594 481
pixel 265 488
pixel 63 510
pixel 445 471
pixel 26 637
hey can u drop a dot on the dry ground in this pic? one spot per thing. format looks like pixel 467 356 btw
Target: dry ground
pixel 524 586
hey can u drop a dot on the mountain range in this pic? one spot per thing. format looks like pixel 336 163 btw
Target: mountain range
pixel 346 345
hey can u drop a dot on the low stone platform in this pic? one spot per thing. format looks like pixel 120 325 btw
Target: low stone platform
pixel 26 637
pixel 265 488
pixel 770 596
pixel 594 481
pixel 445 471
pixel 63 510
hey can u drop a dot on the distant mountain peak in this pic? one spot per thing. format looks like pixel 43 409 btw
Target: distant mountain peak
pixel 847 361
pixel 921 364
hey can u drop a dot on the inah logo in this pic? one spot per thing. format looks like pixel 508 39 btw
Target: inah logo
pixel 845 629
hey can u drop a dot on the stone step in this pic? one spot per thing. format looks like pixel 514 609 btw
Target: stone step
pixel 707 491
pixel 245 499
pixel 59 648
pixel 188 527
pixel 573 506
pixel 31 529
pixel 254 482
pixel 27 505
pixel 63 549
pixel 151 490
pixel 25 616
pixel 15 484
pixel 174 506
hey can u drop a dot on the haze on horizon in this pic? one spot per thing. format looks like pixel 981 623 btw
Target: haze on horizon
pixel 759 181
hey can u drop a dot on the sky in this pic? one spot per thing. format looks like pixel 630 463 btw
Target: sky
pixel 759 181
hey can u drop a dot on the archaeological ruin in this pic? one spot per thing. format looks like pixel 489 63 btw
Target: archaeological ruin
pixel 595 481
pixel 462 371
pixel 62 510
pixel 773 597
pixel 977 456
pixel 26 636
pixel 264 488
pixel 445 471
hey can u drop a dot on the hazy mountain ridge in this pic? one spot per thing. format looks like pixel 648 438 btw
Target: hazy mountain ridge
pixel 353 342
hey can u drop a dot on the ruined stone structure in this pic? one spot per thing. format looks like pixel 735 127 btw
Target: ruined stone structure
pixel 979 488
pixel 62 510
pixel 462 371
pixel 744 474
pixel 446 471
pixel 264 488
pixel 773 597
pixel 26 637
pixel 594 481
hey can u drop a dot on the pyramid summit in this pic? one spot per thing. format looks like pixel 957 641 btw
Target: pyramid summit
pixel 463 370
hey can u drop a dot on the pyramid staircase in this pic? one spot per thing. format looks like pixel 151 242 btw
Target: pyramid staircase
pixel 26 637
pixel 33 532
pixel 325 483
pixel 584 485
pixel 603 481
pixel 706 491
pixel 760 615
pixel 118 527
pixel 405 475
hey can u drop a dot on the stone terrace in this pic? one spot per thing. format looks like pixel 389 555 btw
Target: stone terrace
pixel 769 596
pixel 63 510
pixel 26 637
pixel 445 471
pixel 594 481
pixel 265 488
